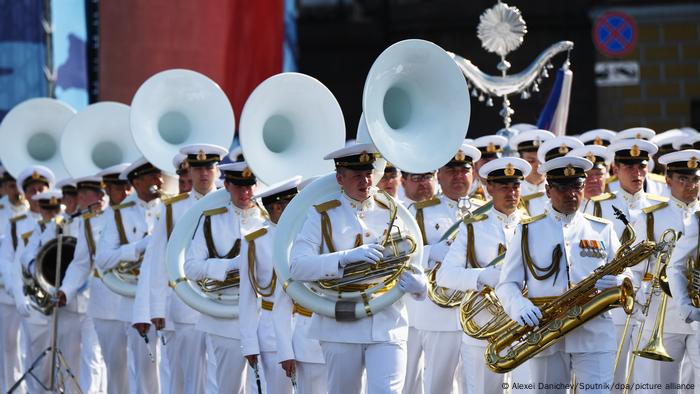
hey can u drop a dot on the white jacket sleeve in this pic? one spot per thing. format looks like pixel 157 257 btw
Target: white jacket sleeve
pixel 453 273
pixel 109 250
pixel 154 259
pixel 282 318
pixel 306 263
pixel 78 270
pixel 140 312
pixel 248 307
pixel 31 249
pixel 198 265
pixel 678 270
pixel 512 280
pixel 6 257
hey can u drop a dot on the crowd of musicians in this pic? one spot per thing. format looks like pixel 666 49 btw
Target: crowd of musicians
pixel 539 219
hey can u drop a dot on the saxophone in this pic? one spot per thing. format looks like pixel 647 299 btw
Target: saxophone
pixel 513 344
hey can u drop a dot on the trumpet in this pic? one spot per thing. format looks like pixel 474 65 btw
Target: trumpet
pixel 158 192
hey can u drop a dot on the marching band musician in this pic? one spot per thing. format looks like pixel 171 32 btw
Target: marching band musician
pixel 653 183
pixel 258 280
pixel 124 238
pixel 71 211
pixel 600 137
pixel 69 327
pixel 678 214
pixel 339 233
pixel 557 147
pixel 93 375
pixel 526 143
pixel 391 181
pixel 550 253
pixel 630 158
pixel 490 147
pixel 13 205
pixel 211 255
pixel 32 180
pixel 434 332
pixel 466 266
pixel 186 345
pixel 182 169
pixel 594 185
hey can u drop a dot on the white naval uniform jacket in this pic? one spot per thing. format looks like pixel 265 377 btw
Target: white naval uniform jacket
pixel 490 233
pixel 437 219
pixel 17 232
pixel 164 303
pixel 226 229
pixel 138 218
pixel 566 231
pixel 309 262
pixel 686 248
pixel 293 341
pixel 654 184
pixel 41 235
pixel 8 211
pixel 257 325
pixel 533 197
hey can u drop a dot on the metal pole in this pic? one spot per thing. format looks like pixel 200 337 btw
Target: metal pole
pixel 47 25
pixel 54 324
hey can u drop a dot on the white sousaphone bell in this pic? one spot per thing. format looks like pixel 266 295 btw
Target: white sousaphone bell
pixel 31 134
pixel 416 108
pixel 178 107
pixel 288 124
pixel 96 138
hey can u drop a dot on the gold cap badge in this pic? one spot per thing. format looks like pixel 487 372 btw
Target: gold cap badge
pixel 563 149
pixel 509 170
pixel 364 157
pixel 201 155
pixel 569 170
pixel 53 201
pixel 35 175
pixel 491 148
pixel 185 165
pixel 638 136
pixel 247 173
pixel 693 162
pixel 460 156
pixel 536 141
pixel 598 141
pixel 591 157
pixel 634 151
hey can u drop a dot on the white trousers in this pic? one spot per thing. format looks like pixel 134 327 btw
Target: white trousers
pixel 440 358
pixel 93 373
pixel 144 371
pixel 384 363
pixel 594 372
pixel 10 355
pixel 622 366
pixel 273 378
pixel 478 378
pixel 655 372
pixel 230 363
pixel 413 383
pixel 311 378
pixel 112 338
pixel 185 350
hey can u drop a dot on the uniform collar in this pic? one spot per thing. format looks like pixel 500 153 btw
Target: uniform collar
pixel 244 212
pixel 631 198
pixel 147 205
pixel 693 206
pixel 559 217
pixel 507 220
pixel 357 205
pixel 197 195
pixel 525 185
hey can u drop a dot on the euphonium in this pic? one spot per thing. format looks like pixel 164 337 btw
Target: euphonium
pixel 41 286
pixel 513 344
pixel 693 274
pixel 441 296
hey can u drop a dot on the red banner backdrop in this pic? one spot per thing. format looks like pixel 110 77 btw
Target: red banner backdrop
pixel 237 43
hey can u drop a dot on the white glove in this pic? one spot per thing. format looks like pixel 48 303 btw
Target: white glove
pixel 637 312
pixel 362 254
pixel 526 313
pixel 143 244
pixel 234 263
pixel 23 307
pixel 490 276
pixel 439 250
pixel 690 313
pixel 413 283
pixel 608 281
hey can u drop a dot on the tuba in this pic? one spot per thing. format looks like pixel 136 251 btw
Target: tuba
pixel 412 87
pixel 41 287
pixel 291 120
pixel 510 344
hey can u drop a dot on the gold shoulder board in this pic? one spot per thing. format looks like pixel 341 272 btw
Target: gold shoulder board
pixel 655 208
pixel 655 197
pixel 256 234
pixel 596 219
pixel 428 203
pixel 215 211
pixel 656 178
pixel 26 235
pixel 90 215
pixel 611 179
pixel 532 196
pixel 528 219
pixel 18 218
pixel 174 199
pixel 475 218
pixel 320 208
pixel 125 205
pixel 603 197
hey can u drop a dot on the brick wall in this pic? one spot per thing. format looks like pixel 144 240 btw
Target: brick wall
pixel 668 52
